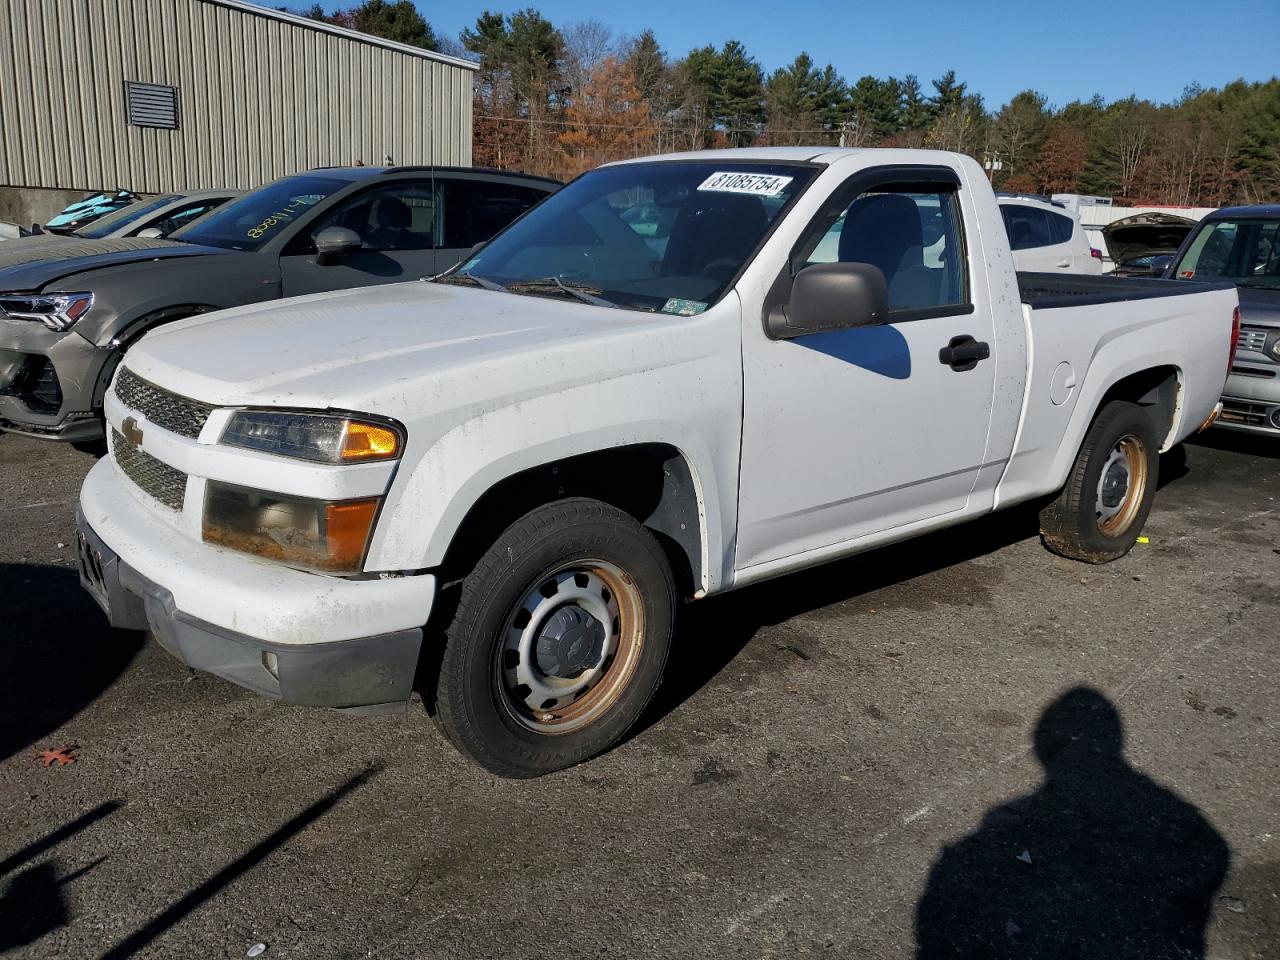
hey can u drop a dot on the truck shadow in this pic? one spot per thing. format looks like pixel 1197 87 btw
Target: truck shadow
pixel 58 654
pixel 1229 441
pixel 712 632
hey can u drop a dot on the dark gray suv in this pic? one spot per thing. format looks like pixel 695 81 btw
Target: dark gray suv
pixel 68 311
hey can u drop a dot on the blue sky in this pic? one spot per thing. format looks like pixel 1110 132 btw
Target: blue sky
pixel 1067 51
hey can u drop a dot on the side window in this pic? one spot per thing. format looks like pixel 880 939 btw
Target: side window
pixel 1060 227
pixel 913 236
pixel 1028 227
pixel 475 210
pixel 394 216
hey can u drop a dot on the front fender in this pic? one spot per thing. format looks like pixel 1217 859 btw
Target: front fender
pixel 430 498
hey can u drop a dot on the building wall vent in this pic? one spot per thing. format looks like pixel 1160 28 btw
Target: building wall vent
pixel 151 105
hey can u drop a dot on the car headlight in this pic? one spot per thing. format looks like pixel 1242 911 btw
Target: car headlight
pixel 327 536
pixel 57 311
pixel 1273 347
pixel 319 437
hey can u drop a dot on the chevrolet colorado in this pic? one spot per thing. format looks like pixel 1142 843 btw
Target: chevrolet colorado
pixel 539 452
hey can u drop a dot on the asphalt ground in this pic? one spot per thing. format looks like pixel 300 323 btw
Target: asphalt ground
pixel 890 756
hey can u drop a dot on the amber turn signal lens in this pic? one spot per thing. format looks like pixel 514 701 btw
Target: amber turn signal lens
pixel 368 441
pixel 348 523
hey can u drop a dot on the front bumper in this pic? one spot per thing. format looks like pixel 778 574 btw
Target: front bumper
pixel 299 637
pixel 1251 401
pixel 50 382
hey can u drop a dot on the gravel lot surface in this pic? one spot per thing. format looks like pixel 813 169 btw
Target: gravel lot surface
pixel 886 755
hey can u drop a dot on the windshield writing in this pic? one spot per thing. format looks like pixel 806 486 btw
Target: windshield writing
pixel 251 220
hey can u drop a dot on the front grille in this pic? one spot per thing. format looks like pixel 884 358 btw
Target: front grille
pixel 1242 411
pixel 160 480
pixel 1252 338
pixel 165 409
pixel 1253 372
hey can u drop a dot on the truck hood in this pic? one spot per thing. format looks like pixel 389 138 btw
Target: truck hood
pixel 376 349
pixel 1260 308
pixel 32 265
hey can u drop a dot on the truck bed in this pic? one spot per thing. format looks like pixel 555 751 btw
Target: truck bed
pixel 1044 291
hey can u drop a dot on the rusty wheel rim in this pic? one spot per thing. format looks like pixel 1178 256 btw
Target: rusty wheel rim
pixel 570 647
pixel 1121 486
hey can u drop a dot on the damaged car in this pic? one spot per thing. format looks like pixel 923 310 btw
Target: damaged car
pixel 69 310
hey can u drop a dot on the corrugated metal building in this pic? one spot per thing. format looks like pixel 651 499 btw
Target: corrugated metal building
pixel 158 95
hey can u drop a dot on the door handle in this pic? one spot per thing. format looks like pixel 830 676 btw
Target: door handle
pixel 963 353
pixel 1064 264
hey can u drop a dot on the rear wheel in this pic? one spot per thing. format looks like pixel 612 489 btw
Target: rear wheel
pixel 1100 512
pixel 559 640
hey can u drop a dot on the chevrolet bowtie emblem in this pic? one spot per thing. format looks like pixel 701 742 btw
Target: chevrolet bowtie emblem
pixel 131 431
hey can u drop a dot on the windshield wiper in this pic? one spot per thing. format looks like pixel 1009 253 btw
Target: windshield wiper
pixel 573 289
pixel 484 282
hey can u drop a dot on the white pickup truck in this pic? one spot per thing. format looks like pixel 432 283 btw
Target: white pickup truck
pixel 675 377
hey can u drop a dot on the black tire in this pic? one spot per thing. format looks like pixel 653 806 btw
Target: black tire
pixel 1079 524
pixel 479 705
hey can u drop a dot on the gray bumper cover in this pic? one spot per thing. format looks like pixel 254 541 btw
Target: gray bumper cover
pixel 368 674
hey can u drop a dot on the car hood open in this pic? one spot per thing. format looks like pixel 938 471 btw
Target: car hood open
pixel 1145 235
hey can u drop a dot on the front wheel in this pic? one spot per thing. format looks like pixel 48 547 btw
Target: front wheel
pixel 559 640
pixel 1100 512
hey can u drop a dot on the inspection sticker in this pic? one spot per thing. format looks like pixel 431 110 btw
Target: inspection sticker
pixel 756 184
pixel 683 308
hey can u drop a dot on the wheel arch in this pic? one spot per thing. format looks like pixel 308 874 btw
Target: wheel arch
pixel 122 340
pixel 1157 388
pixel 653 482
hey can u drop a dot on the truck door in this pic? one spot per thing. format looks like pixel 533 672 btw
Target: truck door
pixel 854 432
pixel 396 223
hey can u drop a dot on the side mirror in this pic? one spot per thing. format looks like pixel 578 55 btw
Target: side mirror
pixel 476 248
pixel 333 243
pixel 831 296
pixel 151 233
pixel 1160 264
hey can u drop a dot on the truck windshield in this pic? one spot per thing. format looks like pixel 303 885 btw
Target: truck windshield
pixel 256 217
pixel 1246 251
pixel 123 217
pixel 667 236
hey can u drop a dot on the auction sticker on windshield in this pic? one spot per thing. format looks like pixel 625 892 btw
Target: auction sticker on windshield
pixel 756 184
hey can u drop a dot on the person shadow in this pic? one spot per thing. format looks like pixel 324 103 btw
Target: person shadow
pixel 1100 861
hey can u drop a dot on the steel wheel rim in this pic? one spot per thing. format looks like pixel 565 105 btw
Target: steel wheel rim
pixel 543 700
pixel 1121 486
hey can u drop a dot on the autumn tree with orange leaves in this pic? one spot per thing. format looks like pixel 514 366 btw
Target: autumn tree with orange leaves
pixel 609 120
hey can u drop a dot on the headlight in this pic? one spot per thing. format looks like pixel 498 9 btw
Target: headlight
pixel 320 437
pixel 324 536
pixel 57 311
pixel 1273 347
